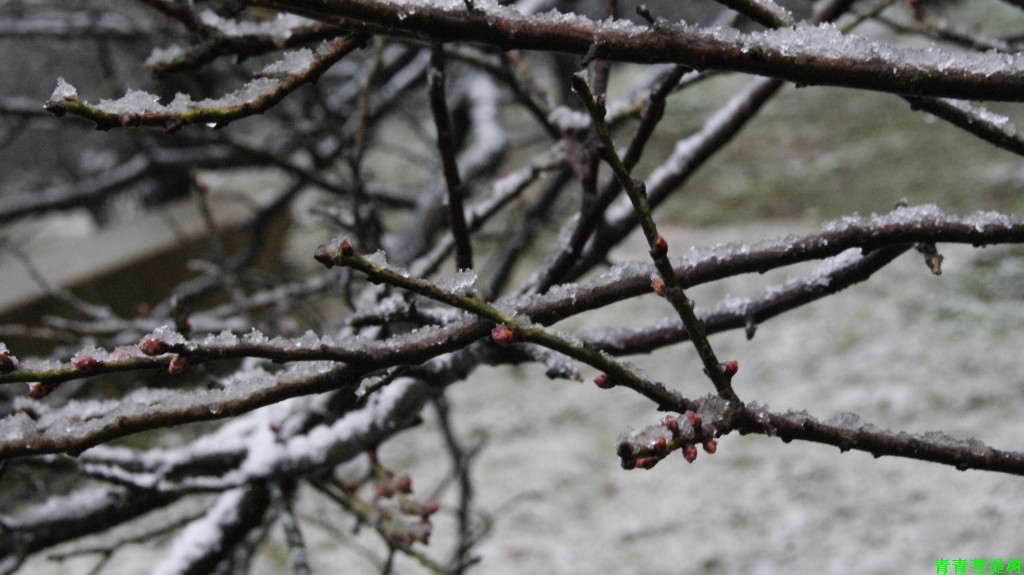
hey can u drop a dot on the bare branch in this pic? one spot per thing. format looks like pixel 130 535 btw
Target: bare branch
pixel 141 109
pixel 806 55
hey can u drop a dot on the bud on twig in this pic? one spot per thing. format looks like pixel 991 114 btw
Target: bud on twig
pixel 86 364
pixel 695 420
pixel 603 381
pixel 177 365
pixel 153 346
pixel 671 424
pixel 730 367
pixel 323 255
pixel 404 484
pixel 646 462
pixel 658 285
pixel 503 334
pixel 7 363
pixel 690 452
pixel 659 445
pixel 39 390
pixel 660 247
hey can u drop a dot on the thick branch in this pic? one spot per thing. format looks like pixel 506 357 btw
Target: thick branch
pixel 805 55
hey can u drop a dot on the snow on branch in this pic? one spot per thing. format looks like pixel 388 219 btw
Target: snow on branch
pixel 139 108
pixel 994 128
pixel 221 36
pixel 805 54
pixel 37 429
pixel 833 275
pixel 203 543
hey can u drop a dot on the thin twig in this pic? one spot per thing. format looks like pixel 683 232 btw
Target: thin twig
pixel 674 292
pixel 446 145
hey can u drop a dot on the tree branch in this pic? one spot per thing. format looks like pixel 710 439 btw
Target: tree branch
pixel 806 55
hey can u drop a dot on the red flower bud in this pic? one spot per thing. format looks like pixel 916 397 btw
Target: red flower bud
pixel 710 446
pixel 690 452
pixel 658 285
pixel 647 462
pixel 153 346
pixel 695 420
pixel 86 364
pixel 603 381
pixel 37 390
pixel 430 509
pixel 659 445
pixel 7 363
pixel 346 248
pixel 404 484
pixel 383 490
pixel 503 334
pixel 324 256
pixel 660 247
pixel 177 364
pixel 730 367
pixel 670 423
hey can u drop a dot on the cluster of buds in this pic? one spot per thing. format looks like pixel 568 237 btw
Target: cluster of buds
pixel 393 507
pixel 331 254
pixel 645 448
pixel 152 347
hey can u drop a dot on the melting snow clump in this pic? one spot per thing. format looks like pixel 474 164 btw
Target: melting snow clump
pixel 63 91
pixel 293 62
pixel 459 283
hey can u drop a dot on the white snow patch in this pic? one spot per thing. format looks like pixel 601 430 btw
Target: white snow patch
pixel 201 535
pixel 63 91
